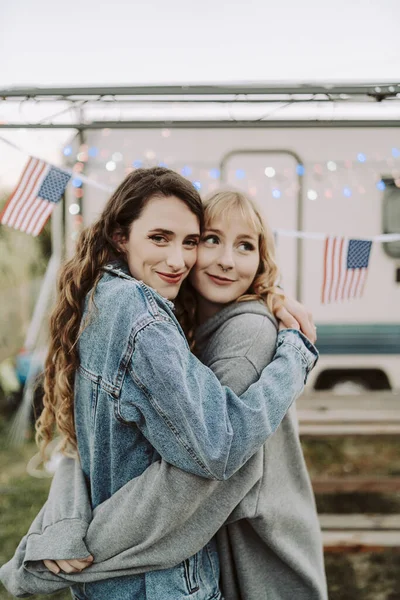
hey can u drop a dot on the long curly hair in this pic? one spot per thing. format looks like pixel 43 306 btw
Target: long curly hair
pixel 79 277
pixel 221 205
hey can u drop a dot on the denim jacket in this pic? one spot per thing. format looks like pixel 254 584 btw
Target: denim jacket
pixel 140 394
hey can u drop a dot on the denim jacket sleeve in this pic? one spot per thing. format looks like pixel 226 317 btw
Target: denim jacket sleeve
pixel 193 421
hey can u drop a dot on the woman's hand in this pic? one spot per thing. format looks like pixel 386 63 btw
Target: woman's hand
pixel 294 315
pixel 75 565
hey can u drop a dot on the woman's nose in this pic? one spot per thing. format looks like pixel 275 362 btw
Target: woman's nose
pixel 226 260
pixel 175 260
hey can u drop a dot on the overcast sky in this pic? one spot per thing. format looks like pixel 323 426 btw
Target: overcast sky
pixel 83 42
pixel 93 41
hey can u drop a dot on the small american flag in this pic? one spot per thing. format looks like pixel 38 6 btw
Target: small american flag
pixel 345 268
pixel 41 186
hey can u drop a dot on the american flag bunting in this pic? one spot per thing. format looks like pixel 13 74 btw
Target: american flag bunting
pixel 345 268
pixel 41 186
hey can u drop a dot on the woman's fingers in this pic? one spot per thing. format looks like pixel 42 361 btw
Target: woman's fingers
pixel 52 566
pixel 292 309
pixel 74 565
pixel 286 320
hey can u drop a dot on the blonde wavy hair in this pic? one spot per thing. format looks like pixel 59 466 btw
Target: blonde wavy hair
pixel 221 205
pixel 79 277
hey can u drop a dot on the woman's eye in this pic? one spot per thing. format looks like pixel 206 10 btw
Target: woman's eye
pixel 158 239
pixel 246 246
pixel 210 239
pixel 191 243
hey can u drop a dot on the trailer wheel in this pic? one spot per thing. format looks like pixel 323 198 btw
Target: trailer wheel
pixel 348 387
pixel 352 381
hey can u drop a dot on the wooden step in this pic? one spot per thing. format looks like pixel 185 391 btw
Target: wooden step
pixel 357 484
pixel 340 429
pixel 360 533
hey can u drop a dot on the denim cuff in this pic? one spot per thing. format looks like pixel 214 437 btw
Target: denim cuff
pixel 307 350
pixel 63 540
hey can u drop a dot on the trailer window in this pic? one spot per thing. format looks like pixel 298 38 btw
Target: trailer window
pixel 391 216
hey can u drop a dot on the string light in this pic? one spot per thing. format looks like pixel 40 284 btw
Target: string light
pixel 214 173
pixel 76 182
pixel 347 192
pixel 186 171
pixel 137 164
pixel 269 172
pixel 93 152
pixel 197 185
pixel 116 157
pixel 276 193
pixel 240 174
pixel 74 209
pixel 67 151
pixel 331 165
pixel 381 185
pixel 361 157
pixel 300 170
pixel 312 195
pixel 111 165
pixel 395 152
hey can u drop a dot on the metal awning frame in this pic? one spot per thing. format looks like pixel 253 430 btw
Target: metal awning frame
pixel 77 101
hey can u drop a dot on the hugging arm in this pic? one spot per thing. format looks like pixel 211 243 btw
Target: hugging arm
pixel 193 421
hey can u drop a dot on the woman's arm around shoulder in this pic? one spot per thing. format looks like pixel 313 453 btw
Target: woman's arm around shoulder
pixel 192 420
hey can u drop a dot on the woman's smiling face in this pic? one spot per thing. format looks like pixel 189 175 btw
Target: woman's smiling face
pixel 227 262
pixel 162 244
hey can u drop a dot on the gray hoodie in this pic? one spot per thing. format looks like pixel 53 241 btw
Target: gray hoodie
pixel 265 518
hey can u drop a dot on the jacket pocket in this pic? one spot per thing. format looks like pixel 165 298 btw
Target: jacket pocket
pixel 191 573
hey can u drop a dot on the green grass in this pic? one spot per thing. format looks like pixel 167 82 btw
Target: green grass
pixel 21 498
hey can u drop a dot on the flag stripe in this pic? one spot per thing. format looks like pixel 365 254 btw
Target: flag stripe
pixel 36 216
pixel 341 270
pixel 332 268
pixel 24 194
pixel 30 214
pixel 40 224
pixel 13 202
pixel 28 195
pixel 364 281
pixel 354 283
pixel 325 271
pixel 359 283
pixel 9 206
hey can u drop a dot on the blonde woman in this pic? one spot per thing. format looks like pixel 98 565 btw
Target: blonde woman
pixel 163 523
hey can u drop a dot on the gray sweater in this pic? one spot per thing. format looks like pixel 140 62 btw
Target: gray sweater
pixel 268 533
